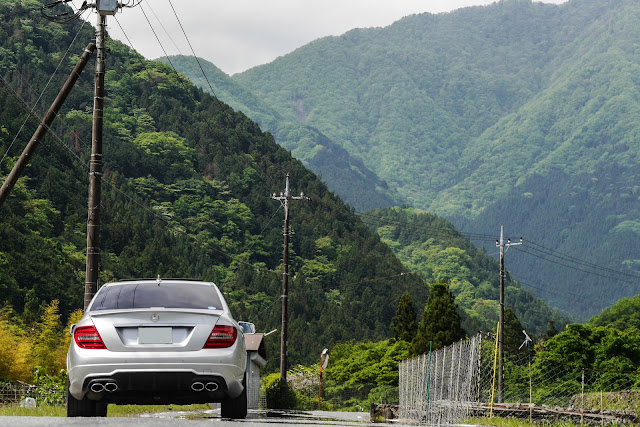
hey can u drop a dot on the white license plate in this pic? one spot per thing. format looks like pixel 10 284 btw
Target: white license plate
pixel 155 336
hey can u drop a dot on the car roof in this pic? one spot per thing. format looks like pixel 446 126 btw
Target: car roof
pixel 161 280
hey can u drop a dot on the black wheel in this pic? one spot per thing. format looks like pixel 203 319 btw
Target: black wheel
pixel 84 407
pixel 236 408
pixel 101 409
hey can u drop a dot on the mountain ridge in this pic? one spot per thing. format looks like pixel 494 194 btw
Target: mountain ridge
pixel 464 110
pixel 345 174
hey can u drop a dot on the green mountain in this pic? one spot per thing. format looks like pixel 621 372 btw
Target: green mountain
pixel 186 193
pixel 519 114
pixel 344 174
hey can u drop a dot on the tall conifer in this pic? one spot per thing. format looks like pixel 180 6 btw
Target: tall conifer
pixel 404 324
pixel 440 322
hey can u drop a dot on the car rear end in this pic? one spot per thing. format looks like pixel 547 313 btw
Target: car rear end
pixel 157 342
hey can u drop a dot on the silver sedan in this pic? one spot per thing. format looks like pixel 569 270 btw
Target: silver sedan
pixel 157 342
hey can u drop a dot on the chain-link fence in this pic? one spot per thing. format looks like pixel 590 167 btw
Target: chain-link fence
pixel 441 387
pixel 459 381
pixel 544 388
pixel 15 392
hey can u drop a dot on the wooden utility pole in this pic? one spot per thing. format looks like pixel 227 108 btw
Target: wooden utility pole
pixel 39 134
pixel 500 243
pixel 284 199
pixel 104 7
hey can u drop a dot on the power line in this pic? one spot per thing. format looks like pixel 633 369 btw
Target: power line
pixel 443 230
pixel 178 230
pixel 570 258
pixel 574 267
pixel 30 112
pixel 181 80
pixel 163 27
pixel 529 284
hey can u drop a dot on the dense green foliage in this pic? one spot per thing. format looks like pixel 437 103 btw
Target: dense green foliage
pixel 602 355
pixel 622 315
pixel 344 174
pixel 431 246
pixel 358 374
pixel 404 324
pixel 520 113
pixel 594 347
pixel 185 191
pixel 367 362
pixel 440 324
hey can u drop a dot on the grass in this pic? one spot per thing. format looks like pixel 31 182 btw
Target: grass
pixel 515 422
pixel 114 410
pixel 41 411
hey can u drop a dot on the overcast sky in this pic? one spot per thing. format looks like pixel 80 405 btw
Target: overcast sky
pixel 236 35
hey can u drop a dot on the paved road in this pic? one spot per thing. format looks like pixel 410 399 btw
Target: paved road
pixel 210 418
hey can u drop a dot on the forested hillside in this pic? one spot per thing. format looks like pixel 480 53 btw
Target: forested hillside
pixel 520 114
pixel 186 193
pixel 433 247
pixel 344 174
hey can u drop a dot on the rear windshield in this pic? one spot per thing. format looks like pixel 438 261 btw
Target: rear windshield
pixel 146 295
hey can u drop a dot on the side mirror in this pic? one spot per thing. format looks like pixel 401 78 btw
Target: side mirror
pixel 247 327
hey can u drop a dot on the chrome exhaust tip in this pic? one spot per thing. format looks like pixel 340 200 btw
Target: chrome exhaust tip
pixel 97 387
pixel 197 386
pixel 111 387
pixel 211 386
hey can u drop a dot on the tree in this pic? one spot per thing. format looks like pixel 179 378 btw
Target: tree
pixel 49 348
pixel 514 338
pixel 513 335
pixel 551 330
pixel 404 324
pixel 440 322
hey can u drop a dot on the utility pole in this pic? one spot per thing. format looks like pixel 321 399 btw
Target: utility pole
pixel 503 247
pixel 104 8
pixel 39 134
pixel 284 199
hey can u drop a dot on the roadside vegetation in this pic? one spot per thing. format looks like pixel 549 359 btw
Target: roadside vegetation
pixel 114 410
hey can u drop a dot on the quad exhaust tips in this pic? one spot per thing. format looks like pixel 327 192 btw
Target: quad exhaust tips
pixel 210 386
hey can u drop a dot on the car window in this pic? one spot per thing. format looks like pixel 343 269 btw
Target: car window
pixel 146 295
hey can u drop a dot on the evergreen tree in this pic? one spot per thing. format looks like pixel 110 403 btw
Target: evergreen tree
pixel 513 336
pixel 551 330
pixel 440 322
pixel 404 324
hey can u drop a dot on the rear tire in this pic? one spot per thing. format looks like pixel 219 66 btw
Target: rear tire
pixel 236 408
pixel 101 409
pixel 84 407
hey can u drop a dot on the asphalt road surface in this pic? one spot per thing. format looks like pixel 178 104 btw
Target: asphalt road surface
pixel 210 418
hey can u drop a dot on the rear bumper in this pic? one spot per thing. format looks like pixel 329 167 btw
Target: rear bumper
pixel 160 387
pixel 160 378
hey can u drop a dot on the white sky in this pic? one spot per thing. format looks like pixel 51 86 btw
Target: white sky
pixel 236 35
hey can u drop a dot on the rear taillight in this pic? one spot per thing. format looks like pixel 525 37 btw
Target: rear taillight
pixel 221 336
pixel 88 337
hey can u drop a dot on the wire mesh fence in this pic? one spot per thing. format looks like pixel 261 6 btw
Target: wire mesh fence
pixel 16 392
pixel 441 387
pixel 543 388
pixel 459 382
